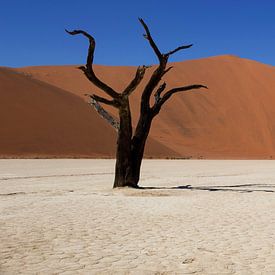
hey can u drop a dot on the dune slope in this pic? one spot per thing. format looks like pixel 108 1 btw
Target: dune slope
pixel 234 118
pixel 40 120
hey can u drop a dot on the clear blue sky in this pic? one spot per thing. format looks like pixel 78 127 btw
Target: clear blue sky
pixel 32 31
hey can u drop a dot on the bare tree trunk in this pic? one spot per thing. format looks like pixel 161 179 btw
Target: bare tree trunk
pixel 123 153
pixel 130 149
pixel 138 145
pixel 129 158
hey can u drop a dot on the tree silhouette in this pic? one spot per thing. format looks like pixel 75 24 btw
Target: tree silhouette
pixel 131 144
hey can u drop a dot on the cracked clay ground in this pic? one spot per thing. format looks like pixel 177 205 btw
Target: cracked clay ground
pixel 210 217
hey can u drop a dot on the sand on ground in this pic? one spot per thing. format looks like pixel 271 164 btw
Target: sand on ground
pixel 198 217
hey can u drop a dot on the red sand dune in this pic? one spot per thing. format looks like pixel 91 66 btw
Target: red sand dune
pixel 234 118
pixel 40 120
pixel 44 113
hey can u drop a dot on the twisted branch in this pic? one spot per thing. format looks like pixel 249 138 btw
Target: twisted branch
pixel 88 69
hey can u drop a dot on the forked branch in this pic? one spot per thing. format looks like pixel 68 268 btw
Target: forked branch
pixel 158 92
pixel 159 72
pixel 88 69
pixel 150 39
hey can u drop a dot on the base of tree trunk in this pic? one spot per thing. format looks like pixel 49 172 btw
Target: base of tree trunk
pixel 126 185
pixel 125 182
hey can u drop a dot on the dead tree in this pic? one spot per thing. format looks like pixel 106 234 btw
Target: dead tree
pixel 131 144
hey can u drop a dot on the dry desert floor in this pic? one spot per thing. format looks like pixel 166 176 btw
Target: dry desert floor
pixel 195 217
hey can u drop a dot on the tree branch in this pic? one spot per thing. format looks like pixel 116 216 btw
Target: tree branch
pixel 103 100
pixel 178 49
pixel 150 39
pixel 167 70
pixel 168 94
pixel 104 114
pixel 158 92
pixel 135 82
pixel 88 70
pixel 156 75
pixel 157 106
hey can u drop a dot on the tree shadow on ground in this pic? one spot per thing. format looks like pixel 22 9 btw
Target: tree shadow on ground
pixel 226 188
